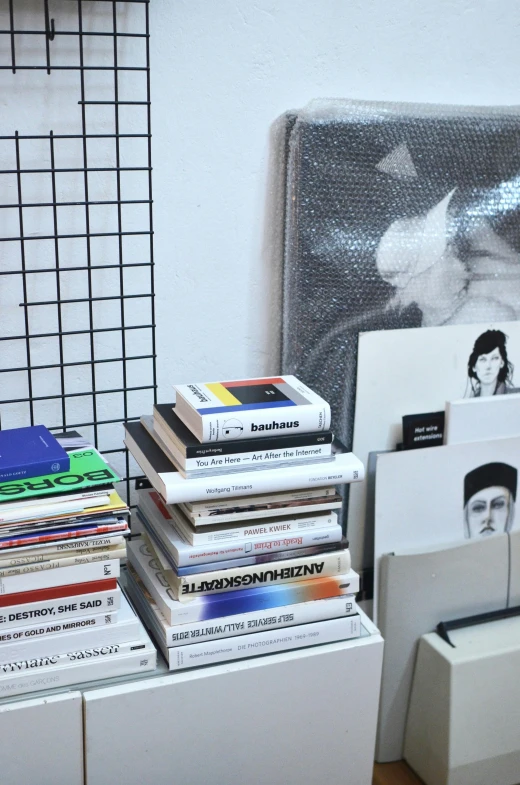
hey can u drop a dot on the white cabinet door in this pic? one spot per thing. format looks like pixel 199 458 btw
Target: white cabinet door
pixel 295 718
pixel 41 741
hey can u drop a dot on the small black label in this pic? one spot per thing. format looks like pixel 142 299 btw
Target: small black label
pixel 423 430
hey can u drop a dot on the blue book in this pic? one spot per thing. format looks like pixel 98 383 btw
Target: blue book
pixel 30 452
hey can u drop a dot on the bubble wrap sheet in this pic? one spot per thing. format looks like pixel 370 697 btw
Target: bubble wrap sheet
pixel 397 215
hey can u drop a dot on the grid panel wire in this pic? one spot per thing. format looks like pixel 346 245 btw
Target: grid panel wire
pixel 77 317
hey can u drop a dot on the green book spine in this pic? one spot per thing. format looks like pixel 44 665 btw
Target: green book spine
pixel 87 469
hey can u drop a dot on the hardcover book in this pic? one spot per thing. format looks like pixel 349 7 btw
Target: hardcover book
pixel 250 408
pixel 215 463
pixel 30 452
pixel 213 606
pixel 239 624
pixel 175 489
pixel 185 447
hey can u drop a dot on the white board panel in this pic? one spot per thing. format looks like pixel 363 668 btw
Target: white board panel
pixel 480 419
pixel 41 740
pixel 287 719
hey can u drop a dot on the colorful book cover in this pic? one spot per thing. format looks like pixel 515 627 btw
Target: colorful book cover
pixel 87 469
pixel 249 408
pixel 30 452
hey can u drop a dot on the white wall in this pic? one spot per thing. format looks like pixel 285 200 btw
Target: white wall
pixel 222 72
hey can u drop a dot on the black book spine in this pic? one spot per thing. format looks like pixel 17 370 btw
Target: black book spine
pixel 258 445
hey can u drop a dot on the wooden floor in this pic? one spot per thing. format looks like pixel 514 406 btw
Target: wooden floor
pixel 394 774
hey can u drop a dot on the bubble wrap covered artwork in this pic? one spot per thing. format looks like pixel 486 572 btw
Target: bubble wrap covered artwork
pixel 397 215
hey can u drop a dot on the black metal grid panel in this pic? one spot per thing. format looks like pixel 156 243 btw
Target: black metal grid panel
pixel 77 320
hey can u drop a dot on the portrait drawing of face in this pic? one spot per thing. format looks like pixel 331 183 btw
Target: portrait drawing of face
pixel 489 500
pixel 489 370
pixel 488 367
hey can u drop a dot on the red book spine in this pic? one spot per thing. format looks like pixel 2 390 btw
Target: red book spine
pixel 55 592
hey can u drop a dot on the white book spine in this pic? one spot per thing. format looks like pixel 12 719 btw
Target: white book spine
pixel 62 560
pixel 60 576
pixel 46 640
pixel 288 571
pixel 200 554
pixel 52 502
pixel 256 459
pixel 253 531
pixel 251 645
pixel 198 508
pixel 255 621
pixel 19 683
pixel 67 658
pixel 264 422
pixel 54 628
pixel 45 511
pixel 344 469
pixel 51 611
pixel 252 515
pixel 201 404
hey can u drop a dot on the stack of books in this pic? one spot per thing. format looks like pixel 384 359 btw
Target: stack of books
pixel 63 618
pixel 240 549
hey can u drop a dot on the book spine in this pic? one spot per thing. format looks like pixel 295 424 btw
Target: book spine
pixel 61 561
pixel 50 629
pixel 251 645
pixel 266 619
pixel 62 576
pixel 200 554
pixel 50 639
pixel 214 606
pixel 36 469
pixel 209 506
pixel 289 571
pixel 258 513
pixel 52 502
pixel 256 459
pixel 14 542
pixel 310 418
pixel 253 532
pixel 344 469
pixel 55 592
pixel 44 552
pixel 101 667
pixel 67 658
pixel 261 558
pixel 296 441
pixel 53 611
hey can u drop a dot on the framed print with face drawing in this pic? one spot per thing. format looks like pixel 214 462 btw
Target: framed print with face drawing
pixel 440 496
pixel 414 371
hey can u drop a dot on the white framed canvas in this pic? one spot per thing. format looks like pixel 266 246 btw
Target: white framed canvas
pixel 413 371
pixel 447 495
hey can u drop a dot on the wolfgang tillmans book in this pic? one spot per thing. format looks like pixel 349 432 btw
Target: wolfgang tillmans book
pixel 250 408
pixel 30 452
pixel 175 489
